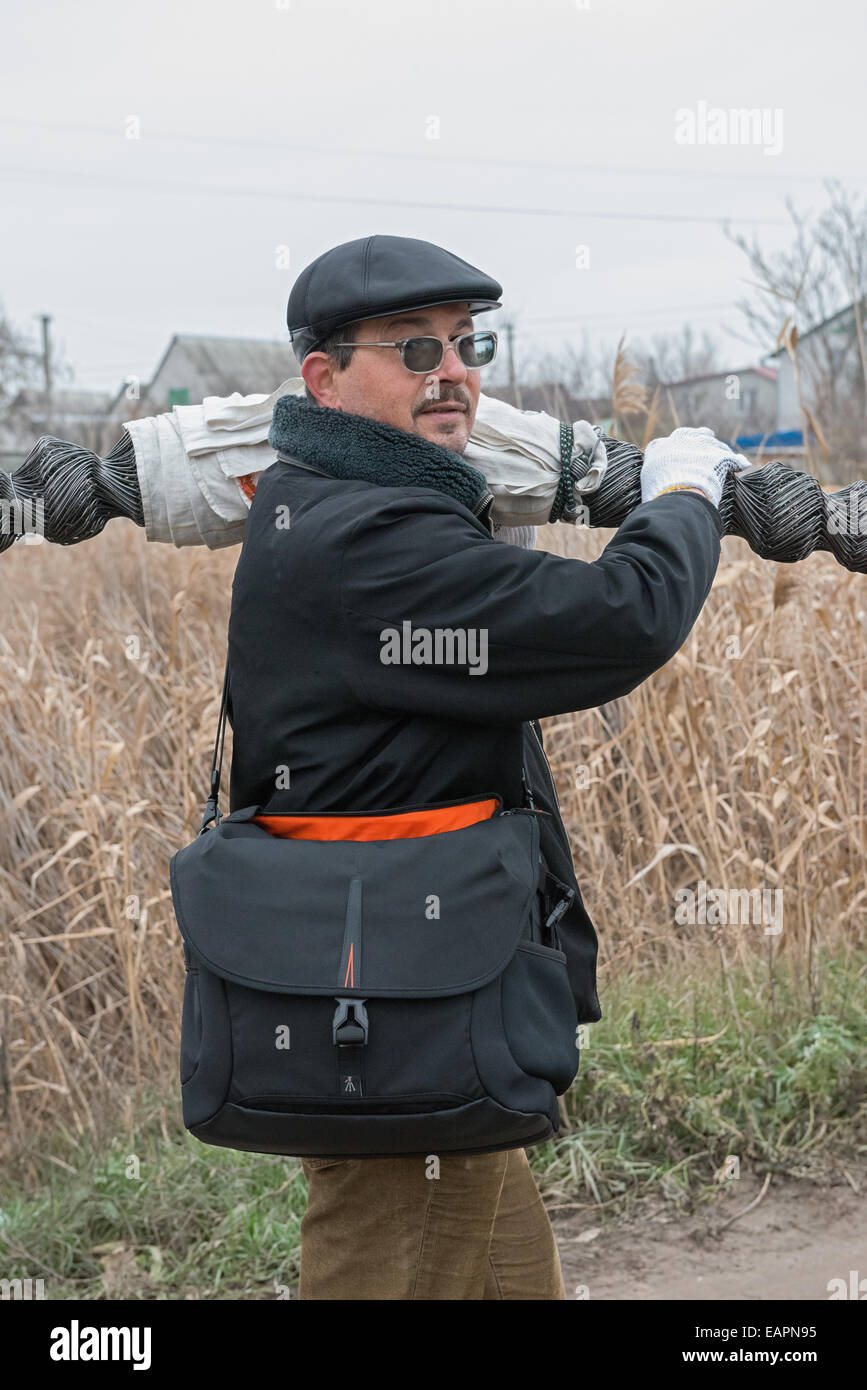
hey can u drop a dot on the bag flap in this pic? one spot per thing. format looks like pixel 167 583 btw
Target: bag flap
pixel 435 915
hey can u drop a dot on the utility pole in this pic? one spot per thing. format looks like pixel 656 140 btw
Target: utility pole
pixel 46 367
pixel 509 329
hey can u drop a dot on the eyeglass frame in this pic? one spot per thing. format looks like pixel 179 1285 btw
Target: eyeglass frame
pixel 431 337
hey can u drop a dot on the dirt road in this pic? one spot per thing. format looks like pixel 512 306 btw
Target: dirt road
pixel 802 1234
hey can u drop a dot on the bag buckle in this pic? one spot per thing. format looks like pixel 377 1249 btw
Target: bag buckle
pixel 350 1026
pixel 349 1031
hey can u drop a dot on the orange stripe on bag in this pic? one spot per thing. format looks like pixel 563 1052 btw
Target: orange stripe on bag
pixel 402 825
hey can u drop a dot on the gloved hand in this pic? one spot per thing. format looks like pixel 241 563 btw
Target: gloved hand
pixel 688 458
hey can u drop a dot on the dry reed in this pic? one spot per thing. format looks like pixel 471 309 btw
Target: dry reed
pixel 741 762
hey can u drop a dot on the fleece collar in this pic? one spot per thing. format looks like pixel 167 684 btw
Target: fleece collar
pixel 348 446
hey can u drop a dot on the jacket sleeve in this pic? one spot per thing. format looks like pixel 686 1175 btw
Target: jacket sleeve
pixel 544 634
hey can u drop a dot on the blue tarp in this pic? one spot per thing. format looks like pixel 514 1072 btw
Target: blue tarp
pixel 780 439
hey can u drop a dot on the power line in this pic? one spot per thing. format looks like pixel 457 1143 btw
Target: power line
pixel 29 175
pixel 549 327
pixel 125 343
pixel 576 319
pixel 625 325
pixel 531 338
pixel 350 152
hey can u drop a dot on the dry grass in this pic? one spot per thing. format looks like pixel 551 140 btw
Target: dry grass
pixel 755 763
pixel 741 762
pixel 105 766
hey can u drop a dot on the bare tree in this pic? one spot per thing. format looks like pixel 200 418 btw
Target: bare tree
pixel 841 232
pixel 808 287
pixel 671 358
pixel 23 398
pixel 20 361
pixel 677 356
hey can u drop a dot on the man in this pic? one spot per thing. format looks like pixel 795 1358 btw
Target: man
pixel 388 524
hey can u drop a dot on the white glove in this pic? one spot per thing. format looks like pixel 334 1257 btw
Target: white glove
pixel 688 458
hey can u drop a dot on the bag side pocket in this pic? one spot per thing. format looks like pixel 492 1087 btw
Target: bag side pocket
pixel 209 1049
pixel 539 1015
pixel 191 1026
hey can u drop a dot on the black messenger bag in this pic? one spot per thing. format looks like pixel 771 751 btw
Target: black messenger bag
pixel 372 984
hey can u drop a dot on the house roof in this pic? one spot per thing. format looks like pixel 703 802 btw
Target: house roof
pixel 552 398
pixel 770 373
pixel 70 409
pixel 68 404
pixel 211 365
pixel 817 327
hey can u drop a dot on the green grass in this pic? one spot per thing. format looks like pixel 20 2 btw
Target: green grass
pixel 781 1088
pixel 197 1222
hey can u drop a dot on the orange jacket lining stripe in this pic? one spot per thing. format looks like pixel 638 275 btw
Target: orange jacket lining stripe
pixel 402 825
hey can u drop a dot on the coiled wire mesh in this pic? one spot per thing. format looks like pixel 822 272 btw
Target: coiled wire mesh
pixel 73 491
pixel 781 512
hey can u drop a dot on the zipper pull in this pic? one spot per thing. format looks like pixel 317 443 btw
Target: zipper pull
pixel 561 907
pixel 550 928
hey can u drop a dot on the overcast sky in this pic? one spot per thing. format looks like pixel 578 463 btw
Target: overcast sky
pixel 266 125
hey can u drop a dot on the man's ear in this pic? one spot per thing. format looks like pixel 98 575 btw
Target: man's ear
pixel 317 369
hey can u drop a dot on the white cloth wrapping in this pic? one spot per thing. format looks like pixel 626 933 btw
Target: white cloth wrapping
pixel 180 505
pixel 519 453
pixel 189 461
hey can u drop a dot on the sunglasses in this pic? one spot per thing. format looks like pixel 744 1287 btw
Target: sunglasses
pixel 424 355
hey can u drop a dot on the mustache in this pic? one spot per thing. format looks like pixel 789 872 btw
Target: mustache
pixel 444 398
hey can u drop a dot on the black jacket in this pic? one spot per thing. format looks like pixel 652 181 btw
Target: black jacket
pixel 312 703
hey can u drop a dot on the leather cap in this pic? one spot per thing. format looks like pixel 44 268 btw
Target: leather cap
pixel 379 275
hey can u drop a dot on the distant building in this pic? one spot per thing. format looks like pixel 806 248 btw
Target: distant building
pixel 193 367
pixel 553 398
pixel 837 340
pixel 731 403
pixel 739 406
pixel 80 416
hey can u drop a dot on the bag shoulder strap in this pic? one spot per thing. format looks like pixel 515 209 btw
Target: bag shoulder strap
pixel 212 810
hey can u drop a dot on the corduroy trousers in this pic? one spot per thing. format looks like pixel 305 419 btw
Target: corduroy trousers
pixel 415 1228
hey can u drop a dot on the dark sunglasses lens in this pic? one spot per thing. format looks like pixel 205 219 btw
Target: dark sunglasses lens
pixel 478 350
pixel 422 354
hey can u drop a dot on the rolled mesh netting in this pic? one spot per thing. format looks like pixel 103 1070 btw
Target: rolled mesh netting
pixel 68 493
pixel 781 512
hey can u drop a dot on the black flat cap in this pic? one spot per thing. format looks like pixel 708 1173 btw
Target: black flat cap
pixel 379 275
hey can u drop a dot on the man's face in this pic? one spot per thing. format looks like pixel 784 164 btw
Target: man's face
pixel 440 406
